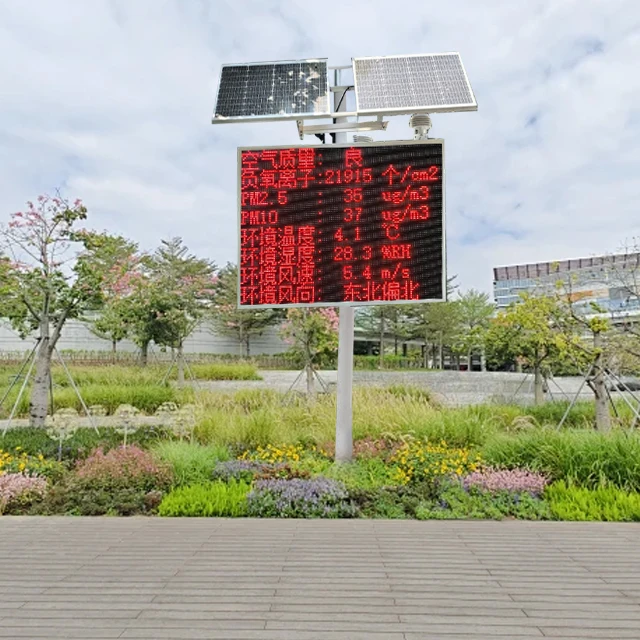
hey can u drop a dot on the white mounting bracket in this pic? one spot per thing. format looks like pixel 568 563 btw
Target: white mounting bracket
pixel 340 127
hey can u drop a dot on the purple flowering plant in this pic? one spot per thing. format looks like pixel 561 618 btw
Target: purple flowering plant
pixel 238 470
pixel 300 498
pixel 511 480
pixel 249 470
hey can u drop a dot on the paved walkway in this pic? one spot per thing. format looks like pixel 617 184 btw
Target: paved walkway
pixel 317 580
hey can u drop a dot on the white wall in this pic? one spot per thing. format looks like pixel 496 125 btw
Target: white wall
pixel 76 336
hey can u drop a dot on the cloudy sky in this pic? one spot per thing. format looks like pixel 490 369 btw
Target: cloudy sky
pixel 111 101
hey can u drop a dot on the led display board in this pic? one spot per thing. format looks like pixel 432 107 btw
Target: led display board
pixel 341 224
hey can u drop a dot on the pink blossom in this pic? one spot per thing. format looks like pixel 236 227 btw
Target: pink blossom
pixel 13 486
pixel 515 480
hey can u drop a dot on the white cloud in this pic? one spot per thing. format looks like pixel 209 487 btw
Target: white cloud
pixel 112 100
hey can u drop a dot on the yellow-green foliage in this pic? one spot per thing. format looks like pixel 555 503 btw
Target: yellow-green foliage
pixel 191 463
pixel 604 503
pixel 206 500
pixel 257 418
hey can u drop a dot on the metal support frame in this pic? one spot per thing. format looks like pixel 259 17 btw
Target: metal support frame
pixel 610 378
pixel 75 388
pixel 575 398
pixel 323 385
pixel 19 374
pixel 32 358
pixel 619 382
pixel 344 389
pixel 22 388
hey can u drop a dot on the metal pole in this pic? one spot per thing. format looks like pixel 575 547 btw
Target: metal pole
pixel 344 402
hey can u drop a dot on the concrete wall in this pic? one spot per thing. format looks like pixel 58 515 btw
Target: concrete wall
pixel 77 336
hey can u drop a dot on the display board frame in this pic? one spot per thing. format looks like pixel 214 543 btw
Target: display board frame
pixel 379 144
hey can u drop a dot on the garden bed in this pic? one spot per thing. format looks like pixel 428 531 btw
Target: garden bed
pixel 260 454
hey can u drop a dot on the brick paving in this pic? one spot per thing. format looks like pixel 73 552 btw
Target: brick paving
pixel 317 580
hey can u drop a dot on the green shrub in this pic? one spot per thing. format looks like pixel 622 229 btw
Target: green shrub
pixel 393 502
pixel 35 441
pixel 206 500
pixel 146 397
pixel 581 416
pixel 362 474
pixel 456 503
pixel 80 497
pixel 120 482
pixel 586 458
pixel 372 363
pixel 411 392
pixel 223 372
pixel 107 375
pixel 604 503
pixel 191 463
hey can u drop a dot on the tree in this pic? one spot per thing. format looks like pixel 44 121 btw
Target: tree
pixel 475 311
pixel 312 333
pixel 112 324
pixel 181 292
pixel 242 324
pixel 437 323
pixel 43 283
pixel 536 330
pixel 624 274
pixel 107 260
pixel 160 297
pixel 384 320
pixel 593 353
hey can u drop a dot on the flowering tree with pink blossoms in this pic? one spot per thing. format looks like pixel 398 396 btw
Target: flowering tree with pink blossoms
pixel 111 261
pixel 312 334
pixel 44 282
pixel 157 298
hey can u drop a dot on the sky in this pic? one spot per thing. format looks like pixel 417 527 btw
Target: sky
pixel 111 101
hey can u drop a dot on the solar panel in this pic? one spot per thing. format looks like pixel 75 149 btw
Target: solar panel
pixel 404 84
pixel 273 91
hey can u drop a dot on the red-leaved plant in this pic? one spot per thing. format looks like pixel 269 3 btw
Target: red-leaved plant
pixel 131 466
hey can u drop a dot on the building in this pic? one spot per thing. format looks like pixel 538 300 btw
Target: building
pixel 611 282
